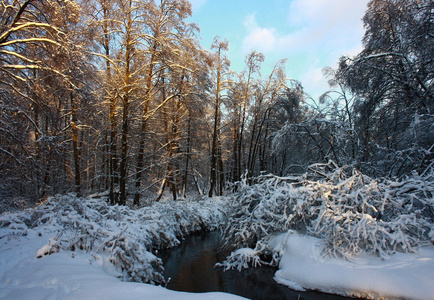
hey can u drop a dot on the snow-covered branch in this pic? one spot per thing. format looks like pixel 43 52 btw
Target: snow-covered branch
pixel 352 212
pixel 126 238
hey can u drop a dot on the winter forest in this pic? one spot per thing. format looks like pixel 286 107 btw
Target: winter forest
pixel 120 135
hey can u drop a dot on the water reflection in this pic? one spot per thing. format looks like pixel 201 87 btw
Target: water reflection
pixel 190 268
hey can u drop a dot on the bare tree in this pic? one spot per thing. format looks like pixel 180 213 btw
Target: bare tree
pixel 267 93
pixel 221 65
pixel 393 75
pixel 241 95
pixel 168 33
pixel 33 45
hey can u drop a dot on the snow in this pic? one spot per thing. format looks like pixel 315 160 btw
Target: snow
pixel 75 248
pixel 70 275
pixel 241 259
pixel 363 237
pixel 128 236
pixel 304 266
pixel 72 248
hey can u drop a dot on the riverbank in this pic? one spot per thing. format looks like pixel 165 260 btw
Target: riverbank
pixel 303 266
pixel 72 248
pixel 72 275
pixel 348 233
pixel 191 267
pixel 78 248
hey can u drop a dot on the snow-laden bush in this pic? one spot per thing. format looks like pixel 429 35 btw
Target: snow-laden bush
pixel 352 212
pixel 127 237
pixel 241 259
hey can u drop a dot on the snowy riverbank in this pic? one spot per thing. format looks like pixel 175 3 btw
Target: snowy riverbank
pixel 71 275
pixel 362 236
pixel 402 276
pixel 75 248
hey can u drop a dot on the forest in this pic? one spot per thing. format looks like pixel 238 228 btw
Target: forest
pixel 120 135
pixel 119 97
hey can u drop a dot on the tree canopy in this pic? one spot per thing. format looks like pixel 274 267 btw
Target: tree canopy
pixel 118 97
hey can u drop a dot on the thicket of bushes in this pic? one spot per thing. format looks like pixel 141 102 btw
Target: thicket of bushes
pixel 352 212
pixel 126 237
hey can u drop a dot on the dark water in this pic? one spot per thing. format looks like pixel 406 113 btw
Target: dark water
pixel 190 268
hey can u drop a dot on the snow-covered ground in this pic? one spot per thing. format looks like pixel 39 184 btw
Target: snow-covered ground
pixel 402 276
pixel 75 248
pixel 70 275
pixel 81 275
pixel 362 236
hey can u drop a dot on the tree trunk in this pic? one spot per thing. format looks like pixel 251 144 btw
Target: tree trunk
pixel 187 158
pixel 112 152
pixel 220 171
pixel 77 179
pixel 141 154
pixel 124 152
pixel 125 112
pixel 213 175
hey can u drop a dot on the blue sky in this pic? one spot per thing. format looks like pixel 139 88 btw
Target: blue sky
pixel 311 34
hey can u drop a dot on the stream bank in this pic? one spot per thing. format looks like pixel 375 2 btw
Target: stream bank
pixel 190 267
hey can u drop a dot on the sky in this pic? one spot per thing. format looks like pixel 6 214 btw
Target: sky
pixel 310 34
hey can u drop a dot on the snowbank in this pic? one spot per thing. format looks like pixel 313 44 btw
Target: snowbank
pixel 76 248
pixel 364 237
pixel 352 212
pixel 70 275
pixel 304 266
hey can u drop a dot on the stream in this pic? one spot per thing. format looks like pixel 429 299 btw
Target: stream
pixel 190 268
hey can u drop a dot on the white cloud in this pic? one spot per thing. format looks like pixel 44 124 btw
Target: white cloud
pixel 328 22
pixel 260 39
pixel 314 82
pixel 197 4
pixel 326 11
pixel 316 34
pixel 312 25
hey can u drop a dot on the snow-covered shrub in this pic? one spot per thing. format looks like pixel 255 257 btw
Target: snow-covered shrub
pixel 17 222
pixel 50 248
pixel 351 211
pixel 132 257
pixel 360 214
pixel 241 259
pixel 125 236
